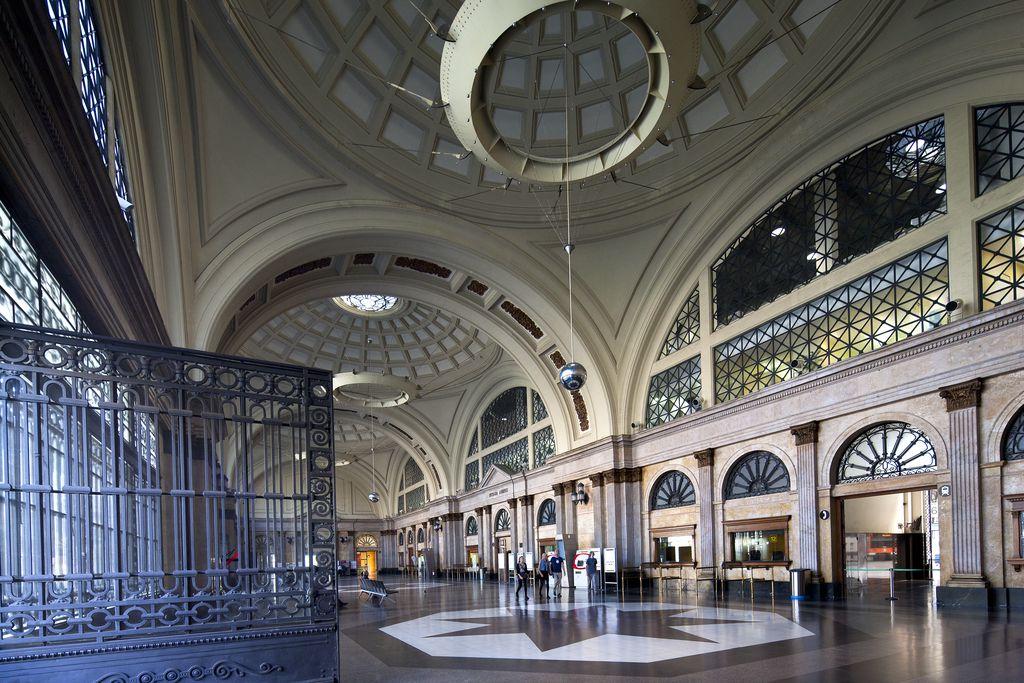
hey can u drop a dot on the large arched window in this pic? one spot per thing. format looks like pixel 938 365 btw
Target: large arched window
pixel 1013 442
pixel 412 488
pixel 546 513
pixel 672 490
pixel 502 521
pixel 889 449
pixel 514 430
pixel 756 474
pixel 366 541
pixel 472 528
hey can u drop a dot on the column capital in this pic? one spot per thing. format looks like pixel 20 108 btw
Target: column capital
pixel 389 532
pixel 597 479
pixel 963 395
pixel 622 475
pixel 479 512
pixel 451 517
pixel 705 458
pixel 513 503
pixel 806 433
pixel 558 489
pixel 525 500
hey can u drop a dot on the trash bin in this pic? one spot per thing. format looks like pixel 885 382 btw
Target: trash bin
pixel 797 584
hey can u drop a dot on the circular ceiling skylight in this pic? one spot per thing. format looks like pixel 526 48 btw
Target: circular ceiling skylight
pixel 367 303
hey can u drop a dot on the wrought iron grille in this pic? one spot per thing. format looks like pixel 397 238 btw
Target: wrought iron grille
pixel 686 329
pixel 998 145
pixel 472 528
pixel 412 473
pixel 150 492
pixel 890 449
pixel 543 446
pixel 1001 239
pixel 674 392
pixel 415 499
pixel 546 514
pixel 502 521
pixel 756 474
pixel 672 490
pixel 895 302
pixel 540 411
pixel 516 456
pixel 59 15
pixel 472 475
pixel 872 196
pixel 505 416
pixel 1013 442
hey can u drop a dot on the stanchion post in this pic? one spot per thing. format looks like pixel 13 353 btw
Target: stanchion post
pixel 892 584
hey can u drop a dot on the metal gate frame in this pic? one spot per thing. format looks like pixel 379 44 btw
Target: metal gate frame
pixel 165 514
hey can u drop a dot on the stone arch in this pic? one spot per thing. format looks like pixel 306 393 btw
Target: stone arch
pixel 656 480
pixel 834 451
pixel 737 454
pixel 994 444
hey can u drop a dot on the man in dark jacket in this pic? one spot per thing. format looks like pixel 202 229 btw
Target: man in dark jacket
pixel 521 576
pixel 592 583
pixel 556 565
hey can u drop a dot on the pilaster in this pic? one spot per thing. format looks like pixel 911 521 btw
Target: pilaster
pixel 805 437
pixel 706 488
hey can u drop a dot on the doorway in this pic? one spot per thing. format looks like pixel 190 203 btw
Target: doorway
pixel 891 536
pixel 367 561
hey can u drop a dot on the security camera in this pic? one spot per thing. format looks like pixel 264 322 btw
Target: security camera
pixel 954 305
pixel 635 425
pixel 374 497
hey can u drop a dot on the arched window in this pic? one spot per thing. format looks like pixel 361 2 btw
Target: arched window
pixel 889 449
pixel 514 430
pixel 756 474
pixel 401 538
pixel 420 536
pixel 502 522
pixel 366 541
pixel 546 514
pixel 412 489
pixel 1013 442
pixel 472 528
pixel 672 490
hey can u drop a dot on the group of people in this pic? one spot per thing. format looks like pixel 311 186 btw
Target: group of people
pixel 552 566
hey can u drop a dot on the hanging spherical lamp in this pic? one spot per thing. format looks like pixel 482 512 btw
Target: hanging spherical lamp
pixel 572 376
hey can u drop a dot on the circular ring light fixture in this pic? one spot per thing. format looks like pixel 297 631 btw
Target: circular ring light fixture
pixel 370 389
pixel 481 31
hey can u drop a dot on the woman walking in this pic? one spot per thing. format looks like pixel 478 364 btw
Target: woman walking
pixel 543 568
pixel 521 573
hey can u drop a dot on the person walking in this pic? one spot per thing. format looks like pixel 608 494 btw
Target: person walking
pixel 521 575
pixel 544 567
pixel 556 565
pixel 592 584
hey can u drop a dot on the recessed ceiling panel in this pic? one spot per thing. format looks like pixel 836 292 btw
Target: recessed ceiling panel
pixel 760 68
pixel 734 26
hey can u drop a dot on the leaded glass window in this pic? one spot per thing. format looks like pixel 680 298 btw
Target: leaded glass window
pixel 540 411
pixel 472 475
pixel 401 538
pixel 890 449
pixel 412 474
pixel 872 196
pixel 1013 442
pixel 472 528
pixel 515 456
pixel 686 329
pixel 674 392
pixel 546 513
pixel 505 416
pixel 672 490
pixel 1001 238
pixel 60 14
pixel 124 194
pixel 998 144
pixel 94 76
pixel 756 474
pixel 411 486
pixel 401 504
pixel 897 301
pixel 502 521
pixel 543 446
pixel 420 536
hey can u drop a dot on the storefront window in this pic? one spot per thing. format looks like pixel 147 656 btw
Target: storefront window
pixel 674 548
pixel 759 546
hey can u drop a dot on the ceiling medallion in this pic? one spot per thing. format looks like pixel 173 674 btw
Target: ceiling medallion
pixel 367 304
pixel 483 28
pixel 373 390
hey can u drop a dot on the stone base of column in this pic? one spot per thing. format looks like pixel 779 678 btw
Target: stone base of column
pixel 964 592
pixel 967 581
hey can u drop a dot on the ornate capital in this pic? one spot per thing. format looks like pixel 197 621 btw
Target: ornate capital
pixel 389 532
pixel 558 489
pixel 451 517
pixel 705 458
pixel 960 396
pixel 806 433
pixel 513 503
pixel 479 512
pixel 525 501
pixel 596 479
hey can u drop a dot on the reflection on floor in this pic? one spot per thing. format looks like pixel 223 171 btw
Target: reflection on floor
pixel 450 632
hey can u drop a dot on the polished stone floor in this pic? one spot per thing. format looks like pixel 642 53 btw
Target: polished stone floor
pixel 467 631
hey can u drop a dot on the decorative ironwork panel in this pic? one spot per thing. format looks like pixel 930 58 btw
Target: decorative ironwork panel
pixel 412 474
pixel 540 411
pixel 756 474
pixel 472 475
pixel 366 541
pixel 890 449
pixel 672 490
pixel 401 503
pixel 686 329
pixel 94 76
pixel 473 445
pixel 505 416
pixel 472 528
pixel 895 302
pixel 149 492
pixel 998 144
pixel 516 456
pixel 1013 442
pixel 415 499
pixel 1001 239
pixel 502 521
pixel 543 445
pixel 546 513
pixel 60 14
pixel 674 392
pixel 874 195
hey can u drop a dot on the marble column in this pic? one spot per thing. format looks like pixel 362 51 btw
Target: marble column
pixel 597 499
pixel 806 439
pixel 622 504
pixel 514 529
pixel 389 550
pixel 565 525
pixel 529 525
pixel 962 406
pixel 434 538
pixel 487 541
pixel 706 487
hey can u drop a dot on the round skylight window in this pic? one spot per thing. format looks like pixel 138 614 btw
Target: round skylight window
pixel 367 303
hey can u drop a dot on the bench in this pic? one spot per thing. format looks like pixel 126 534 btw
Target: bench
pixel 375 591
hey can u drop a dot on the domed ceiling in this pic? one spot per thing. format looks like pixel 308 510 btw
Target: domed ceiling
pixel 365 74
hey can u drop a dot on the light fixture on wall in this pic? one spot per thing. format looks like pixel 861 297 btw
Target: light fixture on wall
pixel 373 495
pixel 579 496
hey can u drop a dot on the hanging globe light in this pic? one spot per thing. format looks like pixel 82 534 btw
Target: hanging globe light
pixel 572 376
pixel 373 496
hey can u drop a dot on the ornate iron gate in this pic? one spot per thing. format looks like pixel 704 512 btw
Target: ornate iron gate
pixel 164 514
